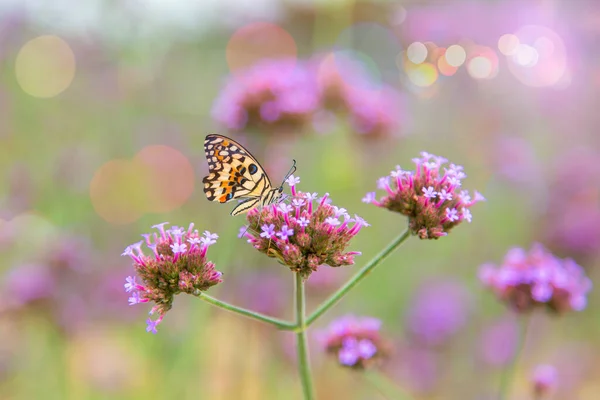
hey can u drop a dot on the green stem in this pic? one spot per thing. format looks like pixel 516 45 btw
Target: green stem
pixel 281 324
pixel 359 276
pixel 301 342
pixel 508 372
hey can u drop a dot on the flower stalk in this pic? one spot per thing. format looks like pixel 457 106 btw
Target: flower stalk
pixel 508 372
pixel 278 323
pixel 301 340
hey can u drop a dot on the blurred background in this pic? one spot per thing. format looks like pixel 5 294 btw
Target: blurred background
pixel 104 107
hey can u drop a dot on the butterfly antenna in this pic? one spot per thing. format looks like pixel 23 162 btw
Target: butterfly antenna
pixel 290 172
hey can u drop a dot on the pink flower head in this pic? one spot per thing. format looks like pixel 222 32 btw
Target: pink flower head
pixel 430 196
pixel 374 109
pixel 177 264
pixel 537 278
pixel 544 379
pixel 355 341
pixel 304 236
pixel 269 93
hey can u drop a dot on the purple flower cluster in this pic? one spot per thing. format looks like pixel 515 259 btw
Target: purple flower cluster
pixel 355 341
pixel 304 234
pixel 177 265
pixel 537 278
pixel 268 93
pixel 373 109
pixel 271 94
pixel 432 200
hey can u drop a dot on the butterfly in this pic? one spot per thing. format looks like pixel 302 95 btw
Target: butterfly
pixel 234 173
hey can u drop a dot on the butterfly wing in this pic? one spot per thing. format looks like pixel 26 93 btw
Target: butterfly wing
pixel 233 172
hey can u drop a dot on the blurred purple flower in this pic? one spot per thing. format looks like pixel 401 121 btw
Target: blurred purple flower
pixel 431 199
pixel 372 108
pixel 499 341
pixel 544 379
pixel 537 278
pixel 355 341
pixel 305 236
pixel 571 224
pixel 178 265
pixel 438 311
pixel 268 93
pixel 28 283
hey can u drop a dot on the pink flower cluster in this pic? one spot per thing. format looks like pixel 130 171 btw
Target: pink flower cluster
pixel 537 278
pixel 355 341
pixel 372 108
pixel 430 197
pixel 177 265
pixel 272 92
pixel 304 234
pixel 295 93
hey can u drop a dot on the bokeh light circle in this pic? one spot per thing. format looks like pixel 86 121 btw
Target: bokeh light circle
pixel 422 75
pixel 172 177
pixel 507 44
pixel 257 42
pixel 118 191
pixel 540 60
pixel 158 179
pixel 482 62
pixel 416 52
pixel 480 67
pixel 45 66
pixel 378 61
pixel 455 55
pixel 445 68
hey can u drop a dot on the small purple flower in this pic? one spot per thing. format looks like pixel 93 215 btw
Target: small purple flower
pixel 298 202
pixel 369 198
pixel 172 268
pixel 242 232
pixel 285 232
pixel 544 379
pixel 429 192
pixel 414 194
pixel 178 248
pixel 285 208
pixel 130 284
pixel 268 231
pixel 292 180
pixel 537 278
pixel 310 236
pixel 356 342
pixel 452 214
pixel 332 221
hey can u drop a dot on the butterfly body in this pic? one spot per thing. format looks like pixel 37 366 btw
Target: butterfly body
pixel 235 174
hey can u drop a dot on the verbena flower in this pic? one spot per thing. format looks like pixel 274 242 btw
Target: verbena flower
pixel 269 93
pixel 544 380
pixel 373 108
pixel 431 196
pixel 305 234
pixel 177 264
pixel 355 341
pixel 438 311
pixel 527 279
